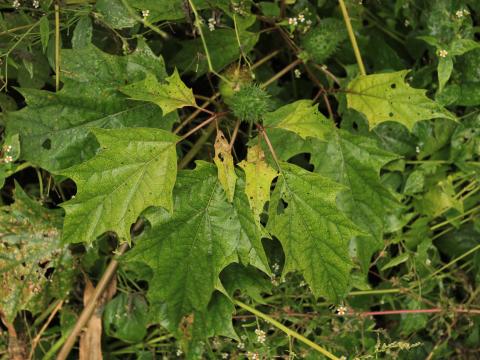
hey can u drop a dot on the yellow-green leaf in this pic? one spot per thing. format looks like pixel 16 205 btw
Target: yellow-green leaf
pixel 170 96
pixel 258 178
pixel 301 117
pixel 387 97
pixel 226 169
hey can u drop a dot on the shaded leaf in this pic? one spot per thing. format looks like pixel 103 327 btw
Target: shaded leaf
pixel 55 128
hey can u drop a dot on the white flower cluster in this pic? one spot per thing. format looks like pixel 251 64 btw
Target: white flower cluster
pixel 8 158
pixel 261 336
pixel 299 19
pixel 461 13
pixel 36 4
pixel 16 4
pixel 253 356
pixel 211 23
pixel 145 13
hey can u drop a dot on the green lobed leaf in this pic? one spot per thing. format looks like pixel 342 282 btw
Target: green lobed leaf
pixel 188 248
pixel 135 169
pixel 301 117
pixel 355 161
pixel 55 128
pixel 314 233
pixel 386 97
pixel 170 96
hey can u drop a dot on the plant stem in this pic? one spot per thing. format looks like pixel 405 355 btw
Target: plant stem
pixel 375 292
pixel 286 330
pixel 197 146
pixel 90 308
pixel 57 47
pixel 351 35
pixel 446 222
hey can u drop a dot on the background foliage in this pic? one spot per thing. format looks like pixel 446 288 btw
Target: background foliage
pixel 272 182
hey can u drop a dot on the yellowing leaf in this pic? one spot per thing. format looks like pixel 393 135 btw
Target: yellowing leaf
pixel 224 161
pixel 386 97
pixel 258 178
pixel 135 169
pixel 300 117
pixel 173 95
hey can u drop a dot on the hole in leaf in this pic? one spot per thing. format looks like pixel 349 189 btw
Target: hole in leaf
pixel 47 144
pixel 393 86
pixel 390 114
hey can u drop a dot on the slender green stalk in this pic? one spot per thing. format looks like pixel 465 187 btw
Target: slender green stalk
pixel 198 25
pixel 375 292
pixel 351 35
pixel 446 222
pixel 57 47
pixel 286 330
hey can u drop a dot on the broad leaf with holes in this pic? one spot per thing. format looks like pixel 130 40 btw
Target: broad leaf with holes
pixel 188 248
pixel 55 128
pixel 135 168
pixel 314 233
pixel 387 97
pixel 30 247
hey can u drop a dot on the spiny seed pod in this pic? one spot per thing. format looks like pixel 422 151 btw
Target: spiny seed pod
pixel 323 40
pixel 250 103
pixel 237 77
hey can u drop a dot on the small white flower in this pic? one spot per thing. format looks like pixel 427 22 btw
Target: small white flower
pixel 343 357
pixel 309 22
pixel 417 149
pixel 261 336
pixel 8 159
pixel 297 73
pixel 7 148
pixel 253 356
pixel 274 281
pixel 406 23
pixel 301 18
pixel 443 53
pixel 459 14
pixel 292 21
pixel 36 4
pixel 224 355
pixel 466 12
pixel 211 24
pixel 341 310
pixel 428 262
pixel 16 4
pixel 145 13
pixel 241 345
pixel 276 267
pixel 179 352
